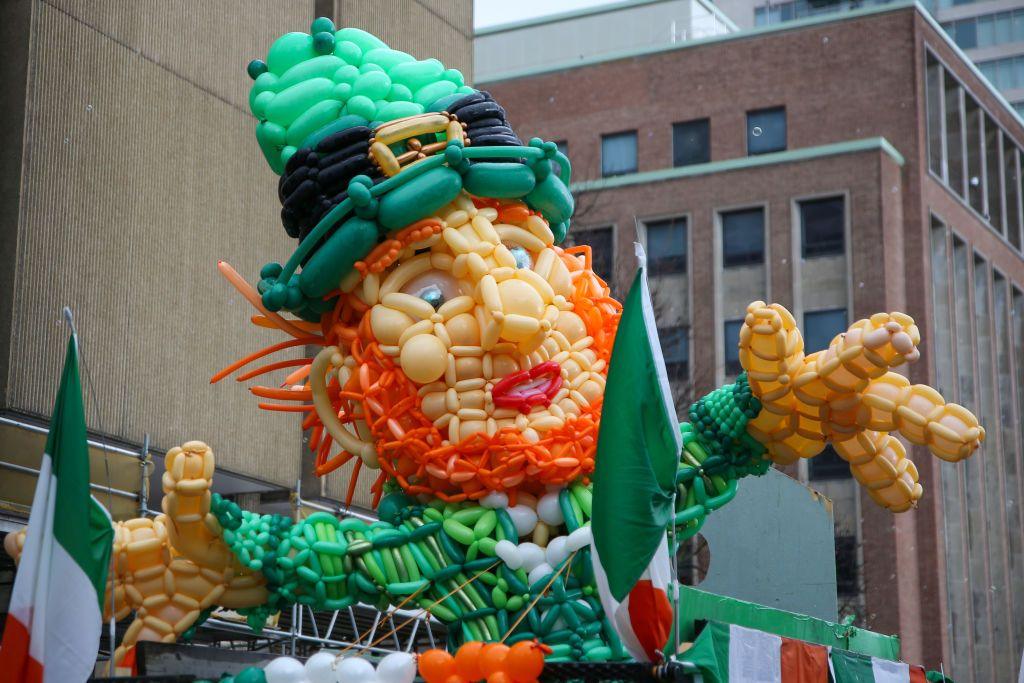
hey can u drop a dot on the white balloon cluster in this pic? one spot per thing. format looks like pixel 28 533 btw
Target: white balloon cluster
pixel 325 667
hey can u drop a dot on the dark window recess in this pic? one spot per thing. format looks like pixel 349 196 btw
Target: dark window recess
pixel 742 237
pixel 618 153
pixel 666 246
pixel 847 566
pixel 601 249
pixel 766 130
pixel 822 223
pixel 821 327
pixel 828 465
pixel 731 341
pixel 675 346
pixel 563 147
pixel 691 142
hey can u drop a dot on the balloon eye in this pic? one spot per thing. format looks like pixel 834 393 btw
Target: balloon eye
pixel 433 295
pixel 521 255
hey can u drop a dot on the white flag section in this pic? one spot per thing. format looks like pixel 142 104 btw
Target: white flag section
pixel 754 656
pixel 53 625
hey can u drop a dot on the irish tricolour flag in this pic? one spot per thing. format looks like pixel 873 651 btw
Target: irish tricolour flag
pixel 637 454
pixel 54 622
pixel 729 653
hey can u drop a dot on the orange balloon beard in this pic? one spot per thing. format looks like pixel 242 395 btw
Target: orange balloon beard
pixel 411 449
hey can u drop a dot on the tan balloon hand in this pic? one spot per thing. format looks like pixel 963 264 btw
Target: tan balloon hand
pixel 847 395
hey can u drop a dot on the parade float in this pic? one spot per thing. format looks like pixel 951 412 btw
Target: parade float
pixel 462 357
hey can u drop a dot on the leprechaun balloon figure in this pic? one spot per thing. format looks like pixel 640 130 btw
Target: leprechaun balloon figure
pixel 462 362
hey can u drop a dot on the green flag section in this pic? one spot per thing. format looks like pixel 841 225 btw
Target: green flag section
pixel 53 625
pixel 728 653
pixel 638 450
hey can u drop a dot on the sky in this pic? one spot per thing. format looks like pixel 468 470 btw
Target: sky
pixel 492 12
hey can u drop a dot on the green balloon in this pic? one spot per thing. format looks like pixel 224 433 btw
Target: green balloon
pixel 420 197
pixel 292 102
pixel 374 85
pixel 289 50
pixel 387 58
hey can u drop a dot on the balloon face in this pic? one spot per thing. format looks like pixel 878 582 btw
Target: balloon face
pixel 479 355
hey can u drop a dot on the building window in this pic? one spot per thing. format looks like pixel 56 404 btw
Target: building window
pixel 742 238
pixel 618 153
pixel 602 249
pixel 994 182
pixel 933 94
pixel 766 130
pixel 823 226
pixel 975 187
pixel 987 30
pixel 563 147
pixel 828 465
pixel 954 136
pixel 666 246
pixel 1012 183
pixel 847 565
pixel 691 142
pixel 731 339
pixel 675 346
pixel 821 327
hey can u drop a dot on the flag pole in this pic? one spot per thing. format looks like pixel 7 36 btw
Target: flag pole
pixel 69 318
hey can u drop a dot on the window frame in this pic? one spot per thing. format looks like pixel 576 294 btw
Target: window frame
pixel 984 112
pixel 802 228
pixel 613 227
pixel 764 110
pixel 635 132
pixel 720 235
pixel 643 224
pixel 706 120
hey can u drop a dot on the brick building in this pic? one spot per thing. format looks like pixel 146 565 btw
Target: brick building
pixel 840 166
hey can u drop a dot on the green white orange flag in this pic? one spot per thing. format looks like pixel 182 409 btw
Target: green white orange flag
pixel 637 455
pixel 728 653
pixel 53 624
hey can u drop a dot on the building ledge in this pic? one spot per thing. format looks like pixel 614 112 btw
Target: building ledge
pixel 741 163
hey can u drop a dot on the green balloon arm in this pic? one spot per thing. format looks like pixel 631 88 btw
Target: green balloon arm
pixel 717 452
pixel 565 166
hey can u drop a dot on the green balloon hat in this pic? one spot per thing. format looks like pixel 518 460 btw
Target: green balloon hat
pixel 368 140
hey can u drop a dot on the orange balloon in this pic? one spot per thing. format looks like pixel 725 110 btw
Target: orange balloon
pixel 499 677
pixel 525 661
pixel 467 660
pixel 492 658
pixel 436 666
pixel 455 678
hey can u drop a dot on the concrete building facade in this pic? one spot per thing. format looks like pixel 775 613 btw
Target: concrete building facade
pixel 838 176
pixel 130 167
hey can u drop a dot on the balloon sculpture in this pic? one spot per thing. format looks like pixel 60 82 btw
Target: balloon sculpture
pixel 462 357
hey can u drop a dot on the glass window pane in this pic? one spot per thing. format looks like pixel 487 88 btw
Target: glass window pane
pixel 760 16
pixel 1003 28
pixel 691 142
pixel 933 89
pixel 766 130
pixel 994 186
pixel 731 340
pixel 821 327
pixel 967 33
pixel 675 345
pixel 975 186
pixel 743 237
pixel 985 33
pixel 666 246
pixel 828 465
pixel 954 136
pixel 602 249
pixel 1012 184
pixel 1018 26
pixel 618 153
pixel 823 226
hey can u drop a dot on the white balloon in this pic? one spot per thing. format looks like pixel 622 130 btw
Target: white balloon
pixel 320 668
pixel 397 667
pixel 539 572
pixel 580 538
pixel 285 670
pixel 495 499
pixel 556 552
pixel 532 555
pixel 354 670
pixel 509 554
pixel 548 509
pixel 523 518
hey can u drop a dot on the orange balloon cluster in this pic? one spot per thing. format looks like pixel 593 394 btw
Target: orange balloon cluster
pixel 479 661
